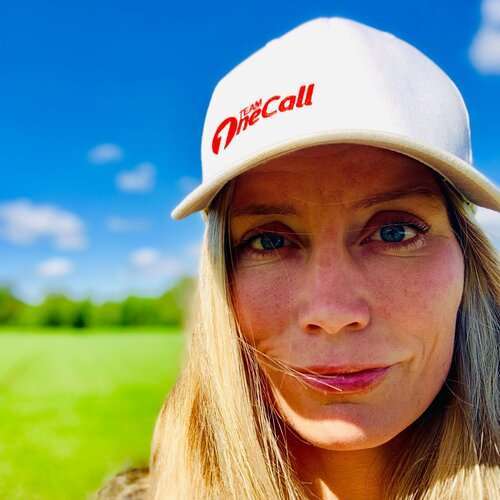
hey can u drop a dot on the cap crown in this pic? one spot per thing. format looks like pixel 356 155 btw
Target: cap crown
pixel 328 75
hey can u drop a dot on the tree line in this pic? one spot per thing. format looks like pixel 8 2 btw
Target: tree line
pixel 59 310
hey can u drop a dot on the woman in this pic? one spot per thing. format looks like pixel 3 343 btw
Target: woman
pixel 344 339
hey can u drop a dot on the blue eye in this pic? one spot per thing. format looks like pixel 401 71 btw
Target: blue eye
pixel 395 233
pixel 269 241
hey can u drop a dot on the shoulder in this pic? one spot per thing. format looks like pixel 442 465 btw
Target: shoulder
pixel 130 484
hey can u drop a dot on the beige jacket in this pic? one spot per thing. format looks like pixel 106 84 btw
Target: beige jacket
pixel 130 484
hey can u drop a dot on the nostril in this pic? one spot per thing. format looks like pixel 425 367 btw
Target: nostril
pixel 312 328
pixel 333 309
pixel 332 327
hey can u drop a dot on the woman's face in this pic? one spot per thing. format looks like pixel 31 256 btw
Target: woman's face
pixel 358 266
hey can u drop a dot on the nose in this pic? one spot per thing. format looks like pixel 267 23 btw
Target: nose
pixel 335 295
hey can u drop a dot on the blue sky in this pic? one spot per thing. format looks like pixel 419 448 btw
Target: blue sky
pixel 102 108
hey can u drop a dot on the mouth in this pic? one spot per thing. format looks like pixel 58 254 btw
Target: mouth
pixel 341 380
pixel 339 369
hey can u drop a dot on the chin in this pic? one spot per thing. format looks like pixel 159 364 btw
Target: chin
pixel 342 437
pixel 340 434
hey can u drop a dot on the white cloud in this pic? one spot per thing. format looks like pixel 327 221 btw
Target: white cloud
pixel 141 179
pixel 152 263
pixel 489 220
pixel 105 153
pixel 118 224
pixel 54 267
pixel 23 223
pixel 491 12
pixel 484 51
pixel 187 184
pixel 144 257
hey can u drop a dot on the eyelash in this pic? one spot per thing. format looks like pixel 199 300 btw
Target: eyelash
pixel 245 245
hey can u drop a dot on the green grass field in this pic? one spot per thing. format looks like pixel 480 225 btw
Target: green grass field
pixel 77 408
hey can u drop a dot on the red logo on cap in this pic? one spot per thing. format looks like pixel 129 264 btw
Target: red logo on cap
pixel 232 126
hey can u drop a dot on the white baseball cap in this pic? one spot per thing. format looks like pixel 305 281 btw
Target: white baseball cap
pixel 335 80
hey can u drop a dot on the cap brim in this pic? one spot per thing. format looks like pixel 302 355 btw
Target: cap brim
pixel 463 176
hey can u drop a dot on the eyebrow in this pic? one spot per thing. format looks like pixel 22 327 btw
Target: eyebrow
pixel 288 209
pixel 397 194
pixel 264 209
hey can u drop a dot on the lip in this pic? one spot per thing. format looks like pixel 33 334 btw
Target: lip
pixel 338 369
pixel 349 380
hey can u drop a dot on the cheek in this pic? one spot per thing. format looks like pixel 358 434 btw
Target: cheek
pixel 264 301
pixel 421 312
pixel 422 291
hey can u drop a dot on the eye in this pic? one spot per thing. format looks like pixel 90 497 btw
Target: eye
pixel 265 244
pixel 266 241
pixel 398 232
pixel 395 233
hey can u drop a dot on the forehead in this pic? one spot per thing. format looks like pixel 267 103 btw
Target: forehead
pixel 339 173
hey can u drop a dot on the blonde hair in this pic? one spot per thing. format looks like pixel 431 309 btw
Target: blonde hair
pixel 217 436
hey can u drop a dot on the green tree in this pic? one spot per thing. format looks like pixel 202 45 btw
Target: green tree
pixel 106 314
pixel 82 314
pixel 174 303
pixel 10 306
pixel 139 311
pixel 55 310
pixel 58 310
